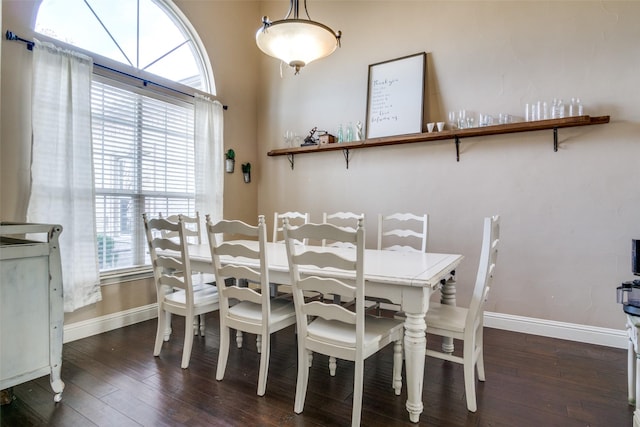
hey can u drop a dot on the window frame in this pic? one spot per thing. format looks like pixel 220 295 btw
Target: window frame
pixel 145 83
pixel 138 196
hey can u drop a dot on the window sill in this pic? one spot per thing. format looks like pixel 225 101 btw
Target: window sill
pixel 120 276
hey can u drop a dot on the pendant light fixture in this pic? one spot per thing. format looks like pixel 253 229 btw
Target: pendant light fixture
pixel 295 41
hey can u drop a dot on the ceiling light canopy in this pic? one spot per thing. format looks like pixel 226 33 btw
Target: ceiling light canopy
pixel 295 41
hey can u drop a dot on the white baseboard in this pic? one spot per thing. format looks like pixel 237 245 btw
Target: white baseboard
pixel 527 325
pixel 109 322
pixel 565 331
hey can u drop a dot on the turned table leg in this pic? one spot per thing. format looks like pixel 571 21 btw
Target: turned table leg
pixel 415 343
pixel 448 296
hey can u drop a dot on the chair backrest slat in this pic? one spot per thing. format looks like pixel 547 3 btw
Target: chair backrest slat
pixel 242 294
pixel 238 250
pixel 328 286
pixel 330 312
pixel 324 259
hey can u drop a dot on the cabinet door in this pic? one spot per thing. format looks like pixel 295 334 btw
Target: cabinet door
pixel 24 319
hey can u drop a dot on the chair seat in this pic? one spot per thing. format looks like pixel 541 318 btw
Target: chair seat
pixel 376 330
pixel 449 317
pixel 207 294
pixel 281 309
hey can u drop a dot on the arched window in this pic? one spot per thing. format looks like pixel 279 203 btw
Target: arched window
pixel 143 134
pixel 148 35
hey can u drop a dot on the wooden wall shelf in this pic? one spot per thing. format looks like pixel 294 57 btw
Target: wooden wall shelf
pixel 456 135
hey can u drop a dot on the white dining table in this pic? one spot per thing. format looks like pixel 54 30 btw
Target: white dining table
pixel 405 278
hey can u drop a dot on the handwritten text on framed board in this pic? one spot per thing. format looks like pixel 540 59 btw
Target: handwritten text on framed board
pixel 395 98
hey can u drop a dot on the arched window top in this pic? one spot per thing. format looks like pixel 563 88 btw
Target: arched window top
pixel 148 35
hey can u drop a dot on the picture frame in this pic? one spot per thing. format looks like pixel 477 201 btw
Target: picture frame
pixel 396 96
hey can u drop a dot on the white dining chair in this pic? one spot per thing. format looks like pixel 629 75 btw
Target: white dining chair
pixel 403 232
pixel 327 327
pixel 467 324
pixel 193 234
pixel 347 220
pixel 295 218
pixel 246 308
pixel 174 272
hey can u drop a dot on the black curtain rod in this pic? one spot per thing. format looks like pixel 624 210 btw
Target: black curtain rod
pixel 12 36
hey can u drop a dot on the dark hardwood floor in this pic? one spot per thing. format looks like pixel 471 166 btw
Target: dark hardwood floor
pixel 112 379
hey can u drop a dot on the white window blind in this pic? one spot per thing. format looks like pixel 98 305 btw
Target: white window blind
pixel 143 150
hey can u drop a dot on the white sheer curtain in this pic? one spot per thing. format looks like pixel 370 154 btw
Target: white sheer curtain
pixel 62 189
pixel 208 122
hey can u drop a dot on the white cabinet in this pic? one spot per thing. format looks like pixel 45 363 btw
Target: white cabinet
pixel 31 305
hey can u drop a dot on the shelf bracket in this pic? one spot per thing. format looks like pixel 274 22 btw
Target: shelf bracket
pixel 457 141
pixel 555 139
pixel 290 158
pixel 345 152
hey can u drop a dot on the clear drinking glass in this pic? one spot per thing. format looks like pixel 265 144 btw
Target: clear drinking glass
pixel 452 119
pixel 288 138
pixel 462 119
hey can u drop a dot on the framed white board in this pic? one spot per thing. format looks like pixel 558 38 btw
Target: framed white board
pixel 395 96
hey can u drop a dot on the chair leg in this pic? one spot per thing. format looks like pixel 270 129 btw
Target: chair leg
pixel 332 366
pixel 264 364
pixel 239 339
pixel 160 332
pixel 167 328
pixel 303 378
pixel 198 325
pixel 631 374
pixel 480 356
pixel 202 325
pixel 167 316
pixel 259 343
pixel 188 343
pixel 631 364
pixel 636 413
pixel 397 367
pixel 358 375
pixel 223 355
pixel 469 377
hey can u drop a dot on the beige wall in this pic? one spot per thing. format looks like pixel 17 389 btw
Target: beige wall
pixel 568 217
